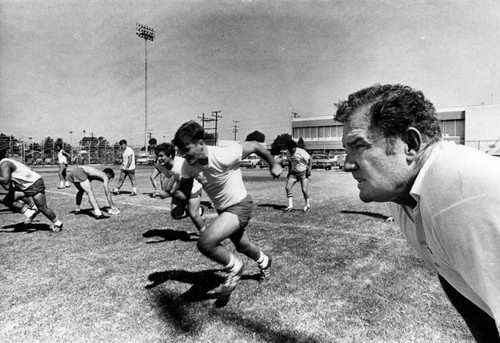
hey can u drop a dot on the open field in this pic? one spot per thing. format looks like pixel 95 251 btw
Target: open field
pixel 341 273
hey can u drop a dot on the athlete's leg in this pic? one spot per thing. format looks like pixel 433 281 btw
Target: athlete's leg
pixel 224 226
pixel 86 186
pixel 131 176
pixel 120 181
pixel 178 209
pixel 194 213
pixel 62 175
pixel 41 203
pixel 290 182
pixel 304 182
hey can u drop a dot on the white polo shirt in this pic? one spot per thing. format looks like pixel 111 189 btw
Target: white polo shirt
pixel 456 224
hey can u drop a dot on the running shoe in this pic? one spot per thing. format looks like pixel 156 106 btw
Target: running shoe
pixel 57 228
pixel 231 281
pixel 265 272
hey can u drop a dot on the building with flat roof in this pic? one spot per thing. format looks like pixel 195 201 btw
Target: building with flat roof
pixel 475 126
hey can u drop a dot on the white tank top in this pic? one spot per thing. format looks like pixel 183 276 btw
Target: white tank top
pixel 61 157
pixel 23 177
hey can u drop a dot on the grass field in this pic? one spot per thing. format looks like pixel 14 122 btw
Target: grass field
pixel 341 273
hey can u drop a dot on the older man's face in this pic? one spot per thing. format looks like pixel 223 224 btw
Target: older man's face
pixel 381 177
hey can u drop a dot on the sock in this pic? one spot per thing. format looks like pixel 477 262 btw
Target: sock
pixel 134 189
pixel 234 264
pixel 263 260
pixel 98 212
pixel 56 221
pixel 307 202
pixel 61 184
pixel 290 202
pixel 67 184
pixel 27 212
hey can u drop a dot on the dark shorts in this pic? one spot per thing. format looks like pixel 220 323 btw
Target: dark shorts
pixel 77 175
pixel 299 176
pixel 243 210
pixel 34 189
pixel 127 172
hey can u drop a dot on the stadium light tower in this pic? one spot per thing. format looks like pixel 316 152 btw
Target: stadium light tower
pixel 148 33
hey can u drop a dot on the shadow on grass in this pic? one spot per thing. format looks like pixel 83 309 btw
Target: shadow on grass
pixel 28 228
pixel 203 282
pixel 369 214
pixel 274 206
pixel 175 310
pixel 170 235
pixel 122 192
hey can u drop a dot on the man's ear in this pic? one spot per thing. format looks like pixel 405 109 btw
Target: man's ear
pixel 413 140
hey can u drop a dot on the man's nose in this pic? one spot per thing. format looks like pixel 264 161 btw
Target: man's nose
pixel 350 165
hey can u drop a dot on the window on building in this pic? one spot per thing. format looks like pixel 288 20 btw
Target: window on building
pixel 314 132
pixel 328 131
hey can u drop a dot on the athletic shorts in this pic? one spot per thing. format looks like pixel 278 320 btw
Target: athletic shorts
pixel 299 176
pixel 243 210
pixel 127 172
pixel 34 189
pixel 77 175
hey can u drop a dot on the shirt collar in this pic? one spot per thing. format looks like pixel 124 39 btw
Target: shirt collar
pixel 416 189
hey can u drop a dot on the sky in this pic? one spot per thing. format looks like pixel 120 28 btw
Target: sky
pixel 79 65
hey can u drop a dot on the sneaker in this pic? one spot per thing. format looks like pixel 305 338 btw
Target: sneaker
pixel 230 283
pixel 133 194
pixel 288 209
pixel 265 272
pixel 67 185
pixel 30 219
pixel 57 228
pixel 307 208
pixel 61 187
pixel 115 191
pixel 77 212
pixel 102 216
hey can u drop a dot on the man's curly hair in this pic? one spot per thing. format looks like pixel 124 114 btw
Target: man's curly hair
pixel 393 109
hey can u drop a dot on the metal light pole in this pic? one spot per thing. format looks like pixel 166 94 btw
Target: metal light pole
pixel 148 33
pixel 71 142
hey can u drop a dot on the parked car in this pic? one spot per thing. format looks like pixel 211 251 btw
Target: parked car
pixel 321 161
pixel 338 161
pixel 250 161
pixel 145 159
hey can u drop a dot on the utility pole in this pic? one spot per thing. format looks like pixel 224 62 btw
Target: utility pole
pixel 203 120
pixel 148 33
pixel 217 116
pixel 235 128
